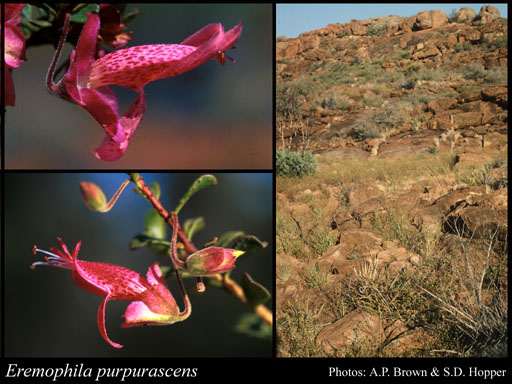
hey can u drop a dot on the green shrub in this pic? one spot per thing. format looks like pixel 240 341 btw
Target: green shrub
pixel 281 38
pixel 361 131
pixel 497 75
pixel 295 164
pixel 376 31
pixel 372 126
pixel 401 54
pixel 333 102
pixel 409 83
pixel 473 72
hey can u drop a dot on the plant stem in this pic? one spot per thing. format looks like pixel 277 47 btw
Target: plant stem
pixel 228 284
pixel 146 191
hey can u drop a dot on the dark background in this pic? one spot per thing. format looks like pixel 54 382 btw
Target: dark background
pixel 46 314
pixel 212 117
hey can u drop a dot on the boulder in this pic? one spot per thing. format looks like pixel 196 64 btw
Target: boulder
pixel 429 19
pixel 488 13
pixel 496 94
pixel 357 327
pixel 354 245
pixel 357 29
pixel 465 14
pixel 363 193
pixel 478 223
pixel 311 42
pixel 470 35
pixel 442 104
pixel 425 53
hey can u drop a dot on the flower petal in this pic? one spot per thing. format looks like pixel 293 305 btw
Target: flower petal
pixel 112 147
pixel 134 67
pixel 138 314
pixel 101 323
pixel 14 38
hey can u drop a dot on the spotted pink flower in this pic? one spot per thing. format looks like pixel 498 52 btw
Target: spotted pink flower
pixel 86 82
pixel 14 47
pixel 152 303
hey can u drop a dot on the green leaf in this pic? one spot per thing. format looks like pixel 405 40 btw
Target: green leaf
pixel 80 16
pixel 142 240
pixel 139 241
pixel 249 244
pixel 191 226
pixel 129 16
pixel 41 23
pixel 252 325
pixel 239 240
pixel 254 292
pixel 154 225
pixel 228 238
pixel 27 12
pixel 155 188
pixel 167 271
pixel 201 183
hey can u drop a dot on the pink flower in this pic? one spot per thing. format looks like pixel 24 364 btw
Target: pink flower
pixel 14 47
pixel 211 260
pixel 152 303
pixel 86 82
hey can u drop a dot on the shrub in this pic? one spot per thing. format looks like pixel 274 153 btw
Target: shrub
pixel 473 72
pixel 452 17
pixel 281 38
pixel 401 54
pixel 409 83
pixel 333 103
pixel 371 127
pixel 376 31
pixel 295 164
pixel 372 101
pixel 497 75
pixel 412 69
pixel 463 47
pixel 361 131
pixel 287 103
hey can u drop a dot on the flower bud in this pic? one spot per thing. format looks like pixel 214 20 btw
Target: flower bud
pixel 211 260
pixel 93 196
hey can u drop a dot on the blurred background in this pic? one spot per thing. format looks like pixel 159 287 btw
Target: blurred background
pixel 46 314
pixel 212 117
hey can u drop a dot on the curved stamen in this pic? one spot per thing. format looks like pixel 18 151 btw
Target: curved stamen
pixel 52 260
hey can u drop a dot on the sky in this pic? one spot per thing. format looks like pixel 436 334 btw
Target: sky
pixel 294 19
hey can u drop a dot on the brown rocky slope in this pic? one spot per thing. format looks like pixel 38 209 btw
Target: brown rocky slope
pixel 398 245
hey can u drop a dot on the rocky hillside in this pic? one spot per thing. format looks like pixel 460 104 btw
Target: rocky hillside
pixel 397 246
pixel 364 85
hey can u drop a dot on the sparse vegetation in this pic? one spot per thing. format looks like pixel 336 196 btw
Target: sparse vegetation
pixel 460 47
pixel 473 72
pixel 374 30
pixel 407 232
pixel 426 300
